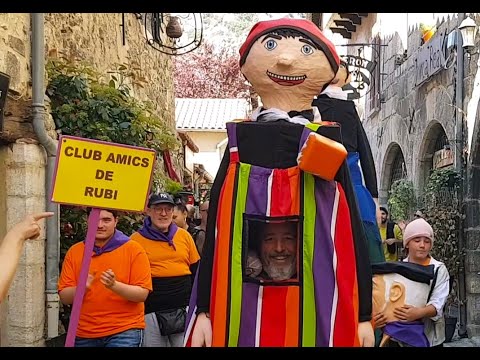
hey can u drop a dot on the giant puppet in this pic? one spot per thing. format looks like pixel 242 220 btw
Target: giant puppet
pixel 334 106
pixel 283 191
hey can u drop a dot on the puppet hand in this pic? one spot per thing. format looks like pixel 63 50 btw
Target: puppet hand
pixel 254 265
pixel 366 336
pixel 390 241
pixel 379 320
pixel 326 166
pixel 202 332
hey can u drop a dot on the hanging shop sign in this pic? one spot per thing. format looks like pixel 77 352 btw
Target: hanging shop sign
pixel 430 59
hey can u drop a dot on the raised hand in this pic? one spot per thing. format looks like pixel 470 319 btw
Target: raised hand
pixel 29 228
pixel 108 278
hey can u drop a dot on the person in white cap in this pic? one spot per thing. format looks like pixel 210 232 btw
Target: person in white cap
pixel 418 240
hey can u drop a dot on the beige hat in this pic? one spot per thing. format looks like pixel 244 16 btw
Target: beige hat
pixel 415 228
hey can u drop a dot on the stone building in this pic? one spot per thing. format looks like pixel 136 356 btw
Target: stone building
pixel 29 315
pixel 412 109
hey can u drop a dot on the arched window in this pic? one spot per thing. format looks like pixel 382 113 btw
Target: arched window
pixel 441 142
pixel 399 170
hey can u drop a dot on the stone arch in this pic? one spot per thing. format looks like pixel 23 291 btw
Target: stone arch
pixel 393 168
pixel 434 138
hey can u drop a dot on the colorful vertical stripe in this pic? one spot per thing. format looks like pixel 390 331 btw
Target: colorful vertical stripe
pixel 273 329
pixel 236 270
pixel 248 321
pixel 323 261
pixel 346 314
pixel 309 330
pixel 221 262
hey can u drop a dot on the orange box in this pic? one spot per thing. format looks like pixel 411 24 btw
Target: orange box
pixel 321 156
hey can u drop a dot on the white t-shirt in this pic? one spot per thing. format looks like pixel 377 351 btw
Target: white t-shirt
pixel 435 326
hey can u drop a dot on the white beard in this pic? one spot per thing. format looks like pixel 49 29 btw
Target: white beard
pixel 281 272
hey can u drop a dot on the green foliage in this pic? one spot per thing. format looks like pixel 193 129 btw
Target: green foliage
pixel 402 200
pixel 83 105
pixel 172 187
pixel 89 105
pixel 442 211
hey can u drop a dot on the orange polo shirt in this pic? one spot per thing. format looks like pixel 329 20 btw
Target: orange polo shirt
pixel 166 261
pixel 103 312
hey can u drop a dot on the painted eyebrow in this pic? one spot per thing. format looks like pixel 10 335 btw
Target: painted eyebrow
pixel 278 37
pixel 307 41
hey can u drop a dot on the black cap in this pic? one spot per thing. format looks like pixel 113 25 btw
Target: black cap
pixel 160 198
pixel 384 209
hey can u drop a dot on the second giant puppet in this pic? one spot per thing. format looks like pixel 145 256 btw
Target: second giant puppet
pixel 334 106
pixel 285 261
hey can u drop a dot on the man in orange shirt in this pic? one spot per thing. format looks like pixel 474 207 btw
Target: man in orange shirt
pixel 173 259
pixel 119 281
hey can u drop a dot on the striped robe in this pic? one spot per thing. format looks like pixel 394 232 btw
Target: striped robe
pixel 322 307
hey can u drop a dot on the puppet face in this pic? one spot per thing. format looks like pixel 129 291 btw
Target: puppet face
pixel 392 291
pixel 378 294
pixel 286 68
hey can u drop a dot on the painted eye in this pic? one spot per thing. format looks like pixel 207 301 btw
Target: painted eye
pixel 270 45
pixel 307 50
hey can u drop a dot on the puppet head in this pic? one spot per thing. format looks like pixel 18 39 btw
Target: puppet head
pixel 399 284
pixel 343 75
pixel 288 62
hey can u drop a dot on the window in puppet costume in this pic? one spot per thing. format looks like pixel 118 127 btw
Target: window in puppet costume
pixel 334 106
pixel 285 261
pixel 396 284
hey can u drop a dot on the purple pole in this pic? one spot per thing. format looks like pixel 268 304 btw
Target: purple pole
pixel 82 281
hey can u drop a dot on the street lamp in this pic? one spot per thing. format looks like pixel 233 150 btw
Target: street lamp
pixel 468 29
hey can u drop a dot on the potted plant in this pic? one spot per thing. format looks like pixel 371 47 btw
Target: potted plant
pixel 402 200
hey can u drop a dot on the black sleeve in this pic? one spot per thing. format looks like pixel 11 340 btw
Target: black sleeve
pixel 366 157
pixel 193 270
pixel 200 241
pixel 206 263
pixel 364 270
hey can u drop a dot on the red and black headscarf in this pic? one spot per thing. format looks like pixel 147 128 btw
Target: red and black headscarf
pixel 306 27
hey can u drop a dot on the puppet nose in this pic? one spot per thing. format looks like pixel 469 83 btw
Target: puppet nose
pixel 285 60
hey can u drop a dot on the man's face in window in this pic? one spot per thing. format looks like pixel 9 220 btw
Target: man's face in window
pixel 279 250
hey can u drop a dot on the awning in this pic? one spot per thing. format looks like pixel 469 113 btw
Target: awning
pixel 167 160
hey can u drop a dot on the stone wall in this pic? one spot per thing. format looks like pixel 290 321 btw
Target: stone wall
pixel 409 112
pixel 24 192
pixel 15 62
pixel 97 39
pixel 15 51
